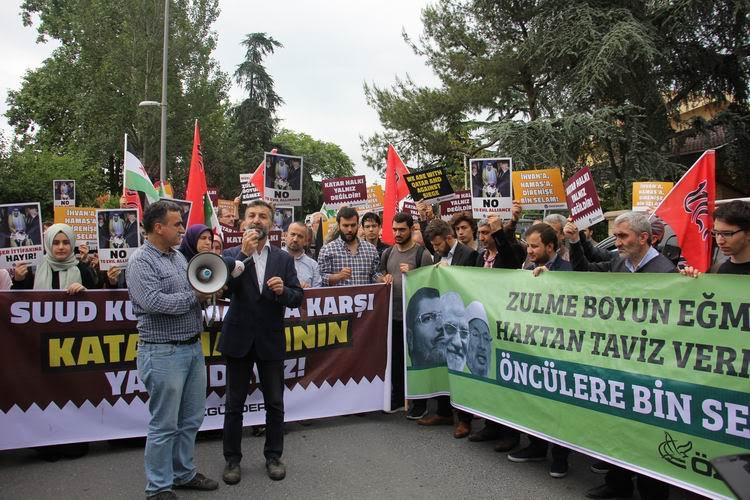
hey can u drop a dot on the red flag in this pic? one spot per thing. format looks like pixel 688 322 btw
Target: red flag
pixel 688 208
pixel 131 199
pixel 395 191
pixel 259 176
pixel 197 191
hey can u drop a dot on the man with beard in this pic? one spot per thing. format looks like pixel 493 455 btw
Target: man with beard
pixel 398 260
pixel 479 344
pixel 632 232
pixel 449 252
pixel 501 251
pixel 477 184
pixel 253 335
pixel 423 318
pixel 453 333
pixel 307 269
pixel 503 180
pixel 542 241
pixel 295 174
pixel 349 260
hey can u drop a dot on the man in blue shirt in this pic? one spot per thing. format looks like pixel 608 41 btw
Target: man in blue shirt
pixel 170 359
pixel 308 273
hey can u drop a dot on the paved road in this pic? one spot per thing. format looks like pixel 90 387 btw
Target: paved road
pixel 373 456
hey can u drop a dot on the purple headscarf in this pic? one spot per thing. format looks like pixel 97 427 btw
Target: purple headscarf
pixel 190 240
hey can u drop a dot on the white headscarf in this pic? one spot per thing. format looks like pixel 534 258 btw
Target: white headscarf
pixel 67 269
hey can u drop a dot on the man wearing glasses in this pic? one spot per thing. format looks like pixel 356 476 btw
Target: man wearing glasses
pixel 423 318
pixel 732 234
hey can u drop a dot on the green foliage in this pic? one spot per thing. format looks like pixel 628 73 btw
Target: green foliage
pixel 253 118
pixel 568 83
pixel 322 160
pixel 28 175
pixel 84 98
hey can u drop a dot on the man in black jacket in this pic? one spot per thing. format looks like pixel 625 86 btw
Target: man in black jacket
pixel 253 334
pixel 632 232
pixel 448 252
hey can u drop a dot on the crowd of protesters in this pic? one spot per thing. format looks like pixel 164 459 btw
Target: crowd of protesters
pixel 354 254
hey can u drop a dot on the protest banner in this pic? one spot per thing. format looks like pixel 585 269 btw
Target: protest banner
pixel 249 193
pixel 583 202
pixel 345 191
pixel 231 237
pixel 656 382
pixel 282 217
pixel 491 186
pixel 648 195
pixel 20 234
pixel 227 206
pixel 460 203
pixel 213 195
pixel 83 222
pixel 274 237
pixel 374 202
pixel 64 193
pixel 430 185
pixel 69 370
pixel 283 179
pixel 185 206
pixel 539 189
pixel 408 206
pixel 119 235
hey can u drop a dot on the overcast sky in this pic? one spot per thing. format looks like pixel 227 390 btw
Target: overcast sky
pixel 330 48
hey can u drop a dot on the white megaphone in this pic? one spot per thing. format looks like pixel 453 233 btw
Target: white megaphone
pixel 207 274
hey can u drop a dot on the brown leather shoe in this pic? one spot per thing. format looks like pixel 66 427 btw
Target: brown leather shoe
pixel 461 430
pixel 507 443
pixel 435 420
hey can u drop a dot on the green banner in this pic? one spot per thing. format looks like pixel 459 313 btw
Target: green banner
pixel 648 371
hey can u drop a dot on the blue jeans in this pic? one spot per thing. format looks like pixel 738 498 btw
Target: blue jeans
pixel 175 377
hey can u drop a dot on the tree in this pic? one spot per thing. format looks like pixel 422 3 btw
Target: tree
pixel 322 160
pixel 27 177
pixel 254 117
pixel 84 98
pixel 561 83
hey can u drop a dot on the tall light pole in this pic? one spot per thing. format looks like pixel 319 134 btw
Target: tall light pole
pixel 163 103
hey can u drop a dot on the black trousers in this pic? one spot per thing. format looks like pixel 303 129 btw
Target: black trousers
pixel 558 452
pixel 648 487
pixel 444 409
pixel 271 374
pixel 397 363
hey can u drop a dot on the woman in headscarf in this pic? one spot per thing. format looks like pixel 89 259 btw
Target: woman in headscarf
pixel 198 238
pixel 59 269
pixel 218 245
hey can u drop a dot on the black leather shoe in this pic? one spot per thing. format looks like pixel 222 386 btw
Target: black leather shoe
pixel 276 469
pixel 232 474
pixel 607 491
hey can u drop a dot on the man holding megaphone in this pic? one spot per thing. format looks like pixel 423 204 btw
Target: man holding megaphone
pixel 170 358
pixel 253 334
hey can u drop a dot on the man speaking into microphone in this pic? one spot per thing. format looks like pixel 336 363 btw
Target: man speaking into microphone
pixel 253 334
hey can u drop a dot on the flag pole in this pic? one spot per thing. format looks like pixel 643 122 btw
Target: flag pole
pixel 124 152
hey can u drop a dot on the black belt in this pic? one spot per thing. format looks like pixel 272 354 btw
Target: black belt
pixel 191 340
